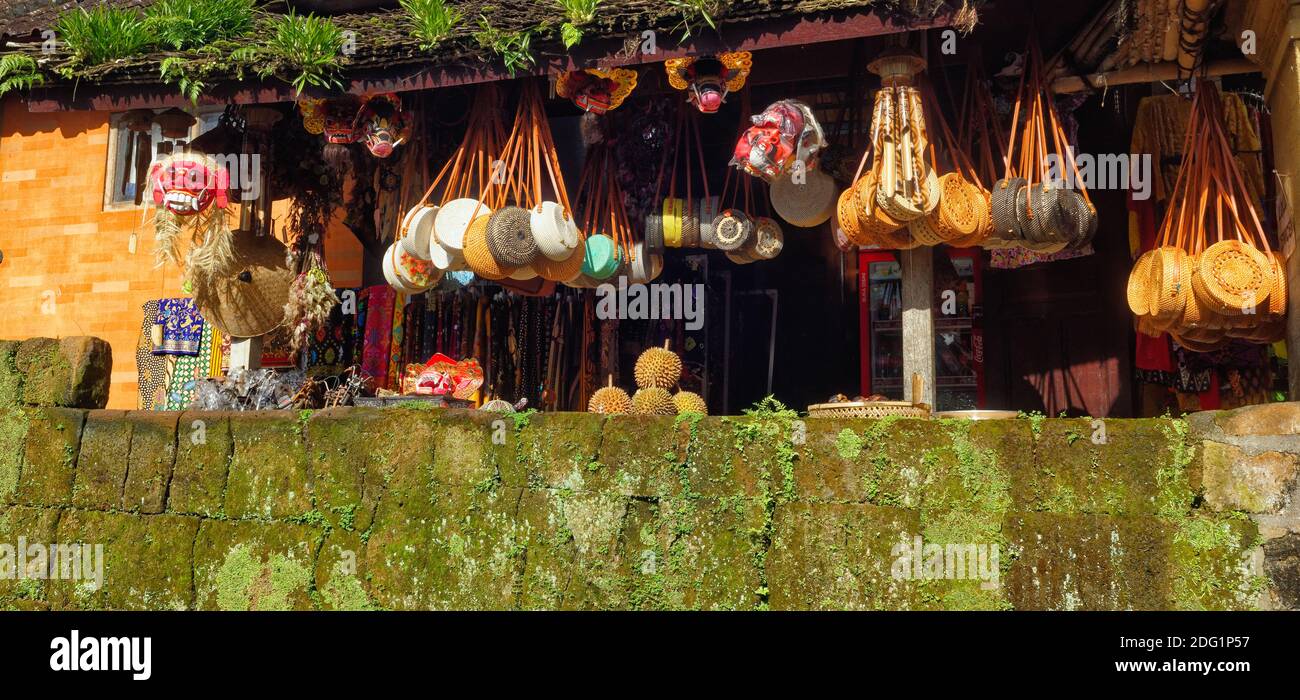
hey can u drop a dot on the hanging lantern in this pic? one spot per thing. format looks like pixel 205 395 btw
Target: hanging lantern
pixel 382 125
pixel 707 81
pixel 597 91
pixel 175 123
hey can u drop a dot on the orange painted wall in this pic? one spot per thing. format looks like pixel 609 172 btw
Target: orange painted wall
pixel 59 244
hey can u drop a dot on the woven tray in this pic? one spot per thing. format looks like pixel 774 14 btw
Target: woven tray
pixel 868 409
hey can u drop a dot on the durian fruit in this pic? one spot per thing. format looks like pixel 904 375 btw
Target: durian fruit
pixel 658 368
pixel 609 399
pixel 690 402
pixel 653 402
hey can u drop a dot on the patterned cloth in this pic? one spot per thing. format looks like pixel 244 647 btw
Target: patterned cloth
pixel 379 334
pixel 189 369
pixel 150 369
pixel 182 327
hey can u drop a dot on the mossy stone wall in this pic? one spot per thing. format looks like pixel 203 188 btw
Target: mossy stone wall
pixel 418 509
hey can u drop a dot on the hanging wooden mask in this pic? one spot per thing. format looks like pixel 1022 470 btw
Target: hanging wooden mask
pixel 187 184
pixel 597 91
pixel 783 134
pixel 708 80
pixel 382 125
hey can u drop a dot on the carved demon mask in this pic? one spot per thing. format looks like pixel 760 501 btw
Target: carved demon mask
pixel 382 125
pixel 188 184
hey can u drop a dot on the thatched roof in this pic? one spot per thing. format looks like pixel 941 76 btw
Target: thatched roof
pixel 384 43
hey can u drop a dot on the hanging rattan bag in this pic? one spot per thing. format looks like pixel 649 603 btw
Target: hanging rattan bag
pixel 1234 277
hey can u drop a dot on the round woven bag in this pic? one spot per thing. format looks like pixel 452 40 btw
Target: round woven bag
pixel 1030 225
pixel 1139 285
pixel 708 212
pixel 959 207
pixel 600 259
pixel 1234 277
pixel 417 230
pixel 1278 296
pixel 898 239
pixel 768 238
pixel 1078 219
pixel 672 213
pixel 477 254
pixel 731 229
pixel 654 231
pixel 1048 221
pixel 1169 284
pixel 562 270
pixel 924 229
pixel 979 200
pixel 1198 345
pixel 1003 208
pixel 846 216
pixel 690 226
pixel 510 237
pixel 806 205
pixel 875 226
pixel 552 231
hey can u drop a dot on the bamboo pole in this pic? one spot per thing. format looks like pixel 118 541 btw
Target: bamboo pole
pixel 1148 73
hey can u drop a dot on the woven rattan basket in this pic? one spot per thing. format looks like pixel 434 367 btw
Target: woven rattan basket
pixel 868 409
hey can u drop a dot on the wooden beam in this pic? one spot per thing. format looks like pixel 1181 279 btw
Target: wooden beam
pixel 918 322
pixel 603 52
pixel 1148 73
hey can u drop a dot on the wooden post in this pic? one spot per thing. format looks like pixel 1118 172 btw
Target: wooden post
pixel 918 321
pixel 246 353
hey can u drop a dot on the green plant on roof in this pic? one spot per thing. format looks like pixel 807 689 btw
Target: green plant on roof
pixel 175 71
pixel 514 48
pixel 191 24
pixel 430 21
pixel 18 72
pixel 576 13
pixel 311 45
pixel 697 12
pixel 103 34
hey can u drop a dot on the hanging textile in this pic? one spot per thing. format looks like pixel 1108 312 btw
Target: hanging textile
pixel 378 334
pixel 1160 129
pixel 182 327
pixel 187 371
pixel 150 368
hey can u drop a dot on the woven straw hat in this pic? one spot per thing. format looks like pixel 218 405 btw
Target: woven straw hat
pixel 251 301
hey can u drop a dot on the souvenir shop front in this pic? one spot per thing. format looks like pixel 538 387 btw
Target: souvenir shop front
pixel 891 218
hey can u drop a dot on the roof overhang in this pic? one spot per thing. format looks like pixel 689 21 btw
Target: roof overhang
pixel 604 52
